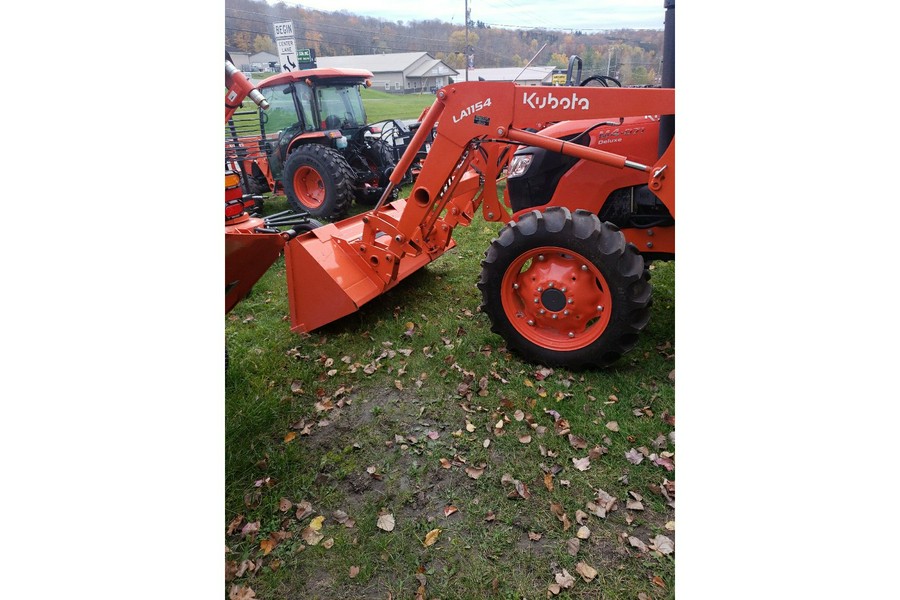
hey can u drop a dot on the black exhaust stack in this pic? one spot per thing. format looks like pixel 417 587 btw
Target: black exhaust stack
pixel 667 122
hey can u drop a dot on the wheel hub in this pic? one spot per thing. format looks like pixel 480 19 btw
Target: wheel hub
pixel 553 300
pixel 556 298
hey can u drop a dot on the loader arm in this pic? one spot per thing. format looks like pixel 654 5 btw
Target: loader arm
pixel 357 259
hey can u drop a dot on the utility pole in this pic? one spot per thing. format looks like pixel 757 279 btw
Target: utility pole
pixel 467 40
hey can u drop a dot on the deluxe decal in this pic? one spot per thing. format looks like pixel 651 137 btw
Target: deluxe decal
pixel 551 101
pixel 471 110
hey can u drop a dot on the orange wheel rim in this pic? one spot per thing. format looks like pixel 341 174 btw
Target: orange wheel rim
pixel 309 187
pixel 556 298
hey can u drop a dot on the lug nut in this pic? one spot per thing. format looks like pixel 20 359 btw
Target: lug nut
pixel 515 286
pixel 530 322
pixel 599 309
pixel 584 267
pixel 571 334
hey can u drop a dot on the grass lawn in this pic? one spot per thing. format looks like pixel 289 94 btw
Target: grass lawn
pixel 402 452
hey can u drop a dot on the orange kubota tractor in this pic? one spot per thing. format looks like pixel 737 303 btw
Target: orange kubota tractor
pixel 561 286
pixel 313 143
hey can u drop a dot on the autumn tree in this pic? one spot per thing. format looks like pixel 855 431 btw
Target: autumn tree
pixel 263 43
pixel 241 40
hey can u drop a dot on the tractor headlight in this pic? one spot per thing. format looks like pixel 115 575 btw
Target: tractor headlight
pixel 519 164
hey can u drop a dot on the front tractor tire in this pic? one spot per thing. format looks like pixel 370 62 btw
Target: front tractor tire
pixel 318 180
pixel 564 289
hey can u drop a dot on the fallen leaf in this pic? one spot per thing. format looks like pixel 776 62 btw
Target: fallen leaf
pixel 230 570
pixel 290 436
pixel 518 415
pixel 445 464
pixel 311 536
pixel 534 536
pixel 267 545
pixel 490 516
pixel 662 544
pixel 637 543
pixel 469 427
pixel 284 505
pixel 582 464
pixel 553 588
pixel 580 516
pixel 634 457
pixel 386 522
pixel 234 524
pixel 572 546
pixel 250 529
pixel 657 580
pixel 474 472
pixel 612 426
pixel 586 571
pixel 634 505
pixel 316 524
pixel 565 580
pixel 577 442
pixel 522 490
pixel 431 537
pixel 449 510
pixel 525 439
pixel 354 571
pixel 486 443
pixel 670 525
pixel 583 533
pixel 304 509
pixel 328 543
pixel 548 481
pixel 241 592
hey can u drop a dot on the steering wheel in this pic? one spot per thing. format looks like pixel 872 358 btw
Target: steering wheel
pixel 332 122
pixel 601 80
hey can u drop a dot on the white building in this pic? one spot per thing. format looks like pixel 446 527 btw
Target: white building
pixel 527 76
pixel 401 73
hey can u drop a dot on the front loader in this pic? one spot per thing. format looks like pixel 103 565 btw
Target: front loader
pixel 560 286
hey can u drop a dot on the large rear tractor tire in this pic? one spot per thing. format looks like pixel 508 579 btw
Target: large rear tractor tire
pixel 564 289
pixel 318 180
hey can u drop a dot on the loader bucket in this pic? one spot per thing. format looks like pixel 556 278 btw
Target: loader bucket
pixel 247 258
pixel 327 279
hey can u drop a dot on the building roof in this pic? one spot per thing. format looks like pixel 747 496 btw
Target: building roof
pixel 390 63
pixel 432 68
pixel 512 74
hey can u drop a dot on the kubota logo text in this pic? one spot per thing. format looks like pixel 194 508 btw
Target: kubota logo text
pixel 471 110
pixel 551 101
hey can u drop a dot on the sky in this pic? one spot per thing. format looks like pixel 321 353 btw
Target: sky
pixel 584 15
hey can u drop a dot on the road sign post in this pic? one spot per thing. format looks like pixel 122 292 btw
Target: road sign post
pixel 287 49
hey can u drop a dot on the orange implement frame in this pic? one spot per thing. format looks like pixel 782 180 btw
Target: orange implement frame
pixel 335 269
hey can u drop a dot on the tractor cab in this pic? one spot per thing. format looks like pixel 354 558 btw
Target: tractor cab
pixel 314 142
pixel 317 105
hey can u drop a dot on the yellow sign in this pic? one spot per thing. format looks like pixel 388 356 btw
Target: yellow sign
pixel 559 79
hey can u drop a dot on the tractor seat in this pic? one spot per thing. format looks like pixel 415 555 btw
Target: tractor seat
pixel 332 122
